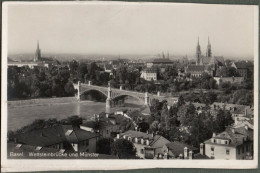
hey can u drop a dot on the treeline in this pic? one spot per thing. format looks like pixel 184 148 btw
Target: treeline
pixel 183 123
pixel 24 82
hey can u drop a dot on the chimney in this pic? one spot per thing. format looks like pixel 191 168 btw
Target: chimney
pixel 233 130
pixel 118 136
pixel 136 128
pixel 166 156
pixel 246 127
pixel 107 115
pixel 202 149
pixel 191 155
pixel 147 132
pixel 214 135
pixel 152 134
pixel 186 152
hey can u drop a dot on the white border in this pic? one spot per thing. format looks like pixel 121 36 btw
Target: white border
pixel 12 165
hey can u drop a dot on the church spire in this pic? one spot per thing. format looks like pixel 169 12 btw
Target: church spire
pixel 209 52
pixel 198 53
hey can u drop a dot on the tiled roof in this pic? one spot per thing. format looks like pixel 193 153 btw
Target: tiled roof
pixel 177 148
pixel 195 68
pixel 198 156
pixel 54 135
pixel 156 141
pixel 236 138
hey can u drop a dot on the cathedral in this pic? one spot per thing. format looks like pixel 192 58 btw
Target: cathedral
pixel 207 63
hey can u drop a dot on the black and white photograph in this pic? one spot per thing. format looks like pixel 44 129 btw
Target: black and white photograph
pixel 123 85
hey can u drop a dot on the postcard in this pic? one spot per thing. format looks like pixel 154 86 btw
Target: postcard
pixel 128 85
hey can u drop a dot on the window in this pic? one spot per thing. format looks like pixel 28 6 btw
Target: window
pixel 142 151
pixel 212 152
pixel 227 152
pixel 243 150
pixel 226 142
pixel 214 142
pixel 238 150
pixel 107 131
pixel 246 148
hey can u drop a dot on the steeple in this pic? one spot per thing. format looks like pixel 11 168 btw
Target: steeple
pixel 209 52
pixel 37 56
pixel 198 53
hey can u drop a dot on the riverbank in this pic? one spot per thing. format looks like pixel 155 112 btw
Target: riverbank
pixel 41 101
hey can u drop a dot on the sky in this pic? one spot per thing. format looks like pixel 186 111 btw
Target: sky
pixel 130 28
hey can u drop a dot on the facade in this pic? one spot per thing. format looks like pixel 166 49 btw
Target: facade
pixel 232 144
pixel 148 146
pixel 149 74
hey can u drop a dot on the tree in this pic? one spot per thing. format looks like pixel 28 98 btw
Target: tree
pixel 123 148
pixel 144 127
pixel 165 117
pixel 104 146
pixel 186 113
pixel 73 120
pixel 69 89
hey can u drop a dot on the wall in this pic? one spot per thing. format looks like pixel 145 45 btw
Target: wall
pixel 229 79
pixel 93 145
pixel 42 101
pixel 220 151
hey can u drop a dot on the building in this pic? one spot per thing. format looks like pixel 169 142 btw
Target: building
pixel 160 61
pixel 149 74
pixel 232 80
pixel 232 144
pixel 148 146
pixel 244 68
pixel 103 126
pixel 208 63
pixel 59 136
pixel 31 65
pixel 178 150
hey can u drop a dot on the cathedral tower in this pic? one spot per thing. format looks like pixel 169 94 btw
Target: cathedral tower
pixel 37 56
pixel 198 54
pixel 208 53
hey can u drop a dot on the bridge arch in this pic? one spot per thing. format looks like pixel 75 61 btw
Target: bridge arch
pixel 129 95
pixel 93 89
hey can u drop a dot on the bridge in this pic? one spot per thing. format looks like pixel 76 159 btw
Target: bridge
pixel 113 94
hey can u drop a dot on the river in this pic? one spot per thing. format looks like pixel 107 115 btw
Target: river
pixel 23 115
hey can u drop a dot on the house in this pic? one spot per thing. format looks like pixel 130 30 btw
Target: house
pixel 244 68
pixel 60 137
pixel 175 150
pixel 148 146
pixel 108 68
pixel 232 144
pixel 149 74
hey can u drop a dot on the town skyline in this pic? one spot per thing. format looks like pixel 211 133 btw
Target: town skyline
pixel 119 29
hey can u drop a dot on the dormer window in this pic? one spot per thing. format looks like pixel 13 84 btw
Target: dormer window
pixel 38 148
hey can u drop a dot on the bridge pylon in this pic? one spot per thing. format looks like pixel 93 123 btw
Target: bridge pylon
pixel 109 99
pixel 146 98
pixel 78 94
